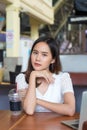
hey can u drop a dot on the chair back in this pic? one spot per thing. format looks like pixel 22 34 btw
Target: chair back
pixel 79 81
pixel 12 76
pixel 18 68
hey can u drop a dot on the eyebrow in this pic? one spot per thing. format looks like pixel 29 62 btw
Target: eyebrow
pixel 41 52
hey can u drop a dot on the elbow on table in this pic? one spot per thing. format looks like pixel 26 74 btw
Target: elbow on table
pixel 29 112
pixel 28 109
pixel 71 112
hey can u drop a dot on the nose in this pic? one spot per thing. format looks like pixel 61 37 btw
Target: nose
pixel 38 57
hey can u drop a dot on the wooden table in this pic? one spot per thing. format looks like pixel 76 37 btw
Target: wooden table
pixel 7 84
pixel 39 121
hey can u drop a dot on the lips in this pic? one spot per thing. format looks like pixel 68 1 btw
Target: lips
pixel 37 64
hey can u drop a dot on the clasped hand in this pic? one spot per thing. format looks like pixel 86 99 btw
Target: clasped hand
pixel 43 75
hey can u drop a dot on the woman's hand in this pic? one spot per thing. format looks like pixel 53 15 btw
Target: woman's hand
pixel 30 98
pixel 43 75
pixel 22 93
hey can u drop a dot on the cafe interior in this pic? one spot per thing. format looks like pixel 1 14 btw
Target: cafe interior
pixel 21 22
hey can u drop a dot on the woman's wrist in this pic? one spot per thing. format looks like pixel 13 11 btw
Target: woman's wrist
pixel 37 101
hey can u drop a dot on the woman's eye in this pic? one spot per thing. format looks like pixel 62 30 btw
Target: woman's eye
pixel 44 54
pixel 34 52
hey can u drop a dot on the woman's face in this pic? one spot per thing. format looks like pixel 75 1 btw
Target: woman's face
pixel 41 56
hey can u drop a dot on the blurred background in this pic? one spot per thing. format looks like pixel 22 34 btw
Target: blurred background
pixel 21 22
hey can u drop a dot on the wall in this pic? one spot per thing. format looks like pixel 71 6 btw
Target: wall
pixel 74 63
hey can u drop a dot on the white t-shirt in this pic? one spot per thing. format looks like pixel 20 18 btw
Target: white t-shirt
pixel 55 91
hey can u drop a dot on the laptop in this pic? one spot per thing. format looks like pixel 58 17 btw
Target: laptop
pixel 77 124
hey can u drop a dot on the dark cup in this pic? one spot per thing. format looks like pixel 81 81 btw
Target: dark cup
pixel 15 102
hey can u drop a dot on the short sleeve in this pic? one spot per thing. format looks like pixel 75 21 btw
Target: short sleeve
pixel 21 82
pixel 67 85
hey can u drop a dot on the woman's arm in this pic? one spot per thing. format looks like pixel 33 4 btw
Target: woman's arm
pixel 30 98
pixel 22 93
pixel 67 108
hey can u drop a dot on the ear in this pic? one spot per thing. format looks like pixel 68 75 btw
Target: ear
pixel 53 61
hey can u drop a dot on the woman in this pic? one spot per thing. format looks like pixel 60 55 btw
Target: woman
pixel 48 88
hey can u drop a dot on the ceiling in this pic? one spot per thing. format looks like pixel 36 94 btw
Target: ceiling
pixel 62 12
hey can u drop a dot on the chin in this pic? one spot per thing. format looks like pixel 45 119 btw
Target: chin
pixel 37 69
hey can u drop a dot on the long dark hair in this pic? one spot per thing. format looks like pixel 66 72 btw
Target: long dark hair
pixel 53 45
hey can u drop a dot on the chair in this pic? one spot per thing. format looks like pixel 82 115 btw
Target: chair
pixel 18 68
pixel 12 76
pixel 79 80
pixel 78 90
pixel 4 100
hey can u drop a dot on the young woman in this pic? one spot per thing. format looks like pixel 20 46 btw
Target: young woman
pixel 48 88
